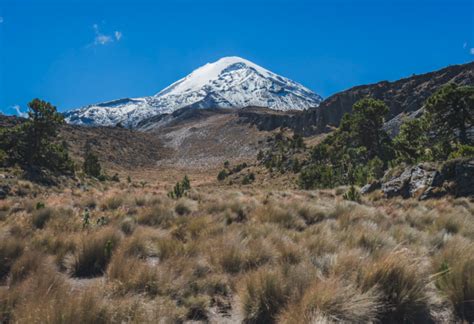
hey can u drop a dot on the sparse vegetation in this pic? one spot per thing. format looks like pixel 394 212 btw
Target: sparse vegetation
pixel 252 251
pixel 287 257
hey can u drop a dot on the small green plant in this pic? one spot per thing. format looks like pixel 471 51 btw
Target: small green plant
pixel 39 205
pixel 180 188
pixel 222 175
pixel 248 179
pixel 186 184
pixel 86 216
pixel 102 221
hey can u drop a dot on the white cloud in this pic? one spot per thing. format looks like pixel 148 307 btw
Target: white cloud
pixel 471 51
pixel 103 39
pixel 16 110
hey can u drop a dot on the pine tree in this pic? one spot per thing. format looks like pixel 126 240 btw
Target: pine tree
pixel 91 165
pixel 451 111
pixel 32 143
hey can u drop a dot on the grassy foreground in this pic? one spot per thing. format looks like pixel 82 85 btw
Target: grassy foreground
pixel 131 254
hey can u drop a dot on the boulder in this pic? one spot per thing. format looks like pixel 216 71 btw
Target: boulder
pixel 398 185
pixel 422 177
pixel 426 181
pixel 370 187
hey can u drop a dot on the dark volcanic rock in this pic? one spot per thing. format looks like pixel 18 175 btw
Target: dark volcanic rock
pixel 425 181
pixel 398 185
pixel 370 187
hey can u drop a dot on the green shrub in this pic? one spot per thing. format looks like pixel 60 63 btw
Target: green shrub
pixel 222 175
pixel 248 179
pixel 91 165
pixel 180 188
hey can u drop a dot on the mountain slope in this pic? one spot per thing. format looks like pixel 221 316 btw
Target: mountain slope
pixel 231 82
pixel 404 96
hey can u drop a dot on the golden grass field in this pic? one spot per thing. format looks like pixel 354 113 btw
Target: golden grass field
pixel 126 253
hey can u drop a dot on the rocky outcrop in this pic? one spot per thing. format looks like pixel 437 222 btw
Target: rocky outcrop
pixel 370 187
pixel 427 180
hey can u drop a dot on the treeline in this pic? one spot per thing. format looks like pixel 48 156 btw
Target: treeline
pixel 360 151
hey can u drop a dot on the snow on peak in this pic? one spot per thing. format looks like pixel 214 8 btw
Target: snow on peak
pixel 230 82
pixel 207 73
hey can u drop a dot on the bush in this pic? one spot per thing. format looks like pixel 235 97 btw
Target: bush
pixel 248 179
pixel 180 189
pixel 222 175
pixel 91 165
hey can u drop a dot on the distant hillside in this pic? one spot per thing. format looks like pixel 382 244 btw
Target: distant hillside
pixel 402 96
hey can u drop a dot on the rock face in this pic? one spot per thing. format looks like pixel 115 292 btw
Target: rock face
pixel 426 180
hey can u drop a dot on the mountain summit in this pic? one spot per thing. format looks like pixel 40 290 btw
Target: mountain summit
pixel 231 82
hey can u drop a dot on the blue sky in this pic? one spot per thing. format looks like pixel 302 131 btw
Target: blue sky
pixel 74 53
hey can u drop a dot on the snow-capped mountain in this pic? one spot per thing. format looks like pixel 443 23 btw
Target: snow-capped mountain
pixel 231 82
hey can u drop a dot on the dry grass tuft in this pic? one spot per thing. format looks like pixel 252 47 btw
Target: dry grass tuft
pixel 455 266
pixel 332 299
pixel 93 253
pixel 263 295
pixel 10 249
pixel 403 283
